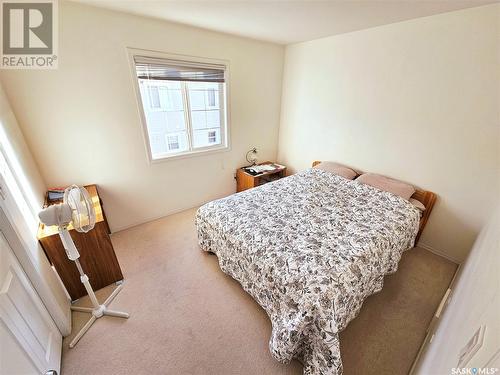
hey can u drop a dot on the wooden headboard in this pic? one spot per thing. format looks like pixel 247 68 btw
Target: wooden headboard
pixel 427 198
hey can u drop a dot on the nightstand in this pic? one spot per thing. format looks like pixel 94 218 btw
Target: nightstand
pixel 245 180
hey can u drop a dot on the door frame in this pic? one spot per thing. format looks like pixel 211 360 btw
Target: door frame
pixel 24 243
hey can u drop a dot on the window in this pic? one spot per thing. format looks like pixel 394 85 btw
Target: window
pixel 212 138
pixel 154 96
pixel 211 97
pixel 173 142
pixel 183 105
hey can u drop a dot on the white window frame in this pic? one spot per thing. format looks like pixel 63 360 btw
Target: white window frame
pixel 225 144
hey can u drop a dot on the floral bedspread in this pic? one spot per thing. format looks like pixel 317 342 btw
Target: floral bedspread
pixel 309 249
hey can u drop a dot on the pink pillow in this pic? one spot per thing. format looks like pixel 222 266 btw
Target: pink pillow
pixel 387 184
pixel 336 168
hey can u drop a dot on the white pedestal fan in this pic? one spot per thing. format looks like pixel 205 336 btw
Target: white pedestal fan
pixel 77 208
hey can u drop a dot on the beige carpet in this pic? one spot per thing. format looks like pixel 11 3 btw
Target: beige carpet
pixel 187 317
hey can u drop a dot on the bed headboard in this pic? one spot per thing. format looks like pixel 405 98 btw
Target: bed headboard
pixel 427 198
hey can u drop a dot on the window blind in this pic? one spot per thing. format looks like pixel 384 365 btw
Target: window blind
pixel 174 70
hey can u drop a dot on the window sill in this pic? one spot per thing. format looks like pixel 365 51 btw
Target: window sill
pixel 189 154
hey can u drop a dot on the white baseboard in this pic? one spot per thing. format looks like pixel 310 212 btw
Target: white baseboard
pixel 438 252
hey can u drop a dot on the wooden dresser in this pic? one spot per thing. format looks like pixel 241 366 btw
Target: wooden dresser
pixel 97 255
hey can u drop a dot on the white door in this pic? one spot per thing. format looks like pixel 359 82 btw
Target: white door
pixel 30 342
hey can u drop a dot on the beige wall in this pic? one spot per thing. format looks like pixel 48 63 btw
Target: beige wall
pixel 468 309
pixel 82 123
pixel 416 100
pixel 31 255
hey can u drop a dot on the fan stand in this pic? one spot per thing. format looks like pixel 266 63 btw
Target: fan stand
pixel 98 310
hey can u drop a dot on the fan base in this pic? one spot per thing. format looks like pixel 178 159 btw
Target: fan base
pixel 97 312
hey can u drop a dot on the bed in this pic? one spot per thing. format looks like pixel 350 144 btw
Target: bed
pixel 310 248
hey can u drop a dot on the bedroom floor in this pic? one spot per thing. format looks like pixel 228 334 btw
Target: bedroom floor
pixel 187 317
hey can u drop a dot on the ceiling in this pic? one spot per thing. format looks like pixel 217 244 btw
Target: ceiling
pixel 283 21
